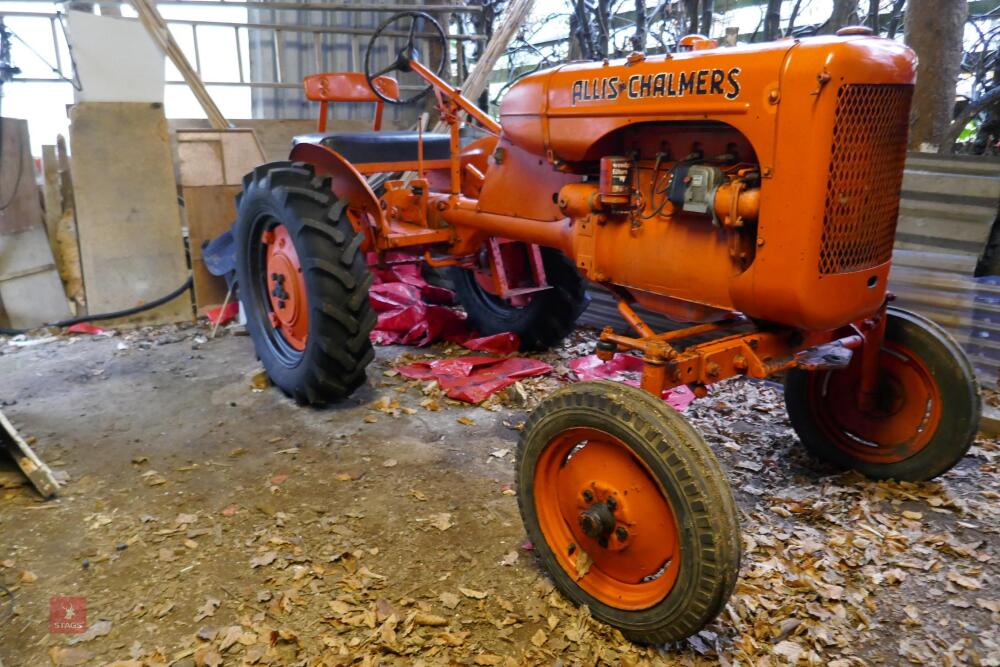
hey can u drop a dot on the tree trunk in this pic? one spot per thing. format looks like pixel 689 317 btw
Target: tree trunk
pixel 772 20
pixel 894 17
pixel 792 17
pixel 845 12
pixel 934 29
pixel 873 15
pixel 639 38
pixel 691 8
pixel 707 10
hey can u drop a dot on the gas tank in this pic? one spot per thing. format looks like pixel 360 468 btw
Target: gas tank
pixel 562 113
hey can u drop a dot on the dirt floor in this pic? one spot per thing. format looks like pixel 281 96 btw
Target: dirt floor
pixel 207 523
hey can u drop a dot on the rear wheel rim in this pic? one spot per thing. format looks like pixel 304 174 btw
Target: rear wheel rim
pixel 906 416
pixel 287 302
pixel 593 494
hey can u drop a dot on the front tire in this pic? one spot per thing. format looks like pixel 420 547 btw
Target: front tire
pixel 303 283
pixel 628 510
pixel 927 414
pixel 546 319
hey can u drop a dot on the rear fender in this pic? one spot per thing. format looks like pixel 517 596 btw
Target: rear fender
pixel 347 183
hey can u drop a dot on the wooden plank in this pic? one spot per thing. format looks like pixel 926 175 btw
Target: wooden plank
pixel 210 211
pixel 213 157
pixel 20 206
pixel 128 216
pixel 150 18
pixel 211 164
pixel 33 467
pixel 514 17
pixel 30 288
pixel 51 193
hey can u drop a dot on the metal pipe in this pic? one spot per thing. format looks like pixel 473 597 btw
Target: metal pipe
pixel 556 234
pixel 288 27
pixel 293 6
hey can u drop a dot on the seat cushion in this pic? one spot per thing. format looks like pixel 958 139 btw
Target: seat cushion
pixel 367 147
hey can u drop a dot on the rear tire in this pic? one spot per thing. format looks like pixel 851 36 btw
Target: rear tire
pixel 314 342
pixel 673 566
pixel 548 318
pixel 929 408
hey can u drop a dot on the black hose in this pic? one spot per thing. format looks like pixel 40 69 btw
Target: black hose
pixel 108 316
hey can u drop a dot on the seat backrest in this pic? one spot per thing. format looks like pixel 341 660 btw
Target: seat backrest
pixel 347 87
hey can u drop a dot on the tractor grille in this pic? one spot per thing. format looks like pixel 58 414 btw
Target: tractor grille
pixel 866 171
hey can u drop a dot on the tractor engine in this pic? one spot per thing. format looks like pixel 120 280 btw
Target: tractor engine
pixel 762 179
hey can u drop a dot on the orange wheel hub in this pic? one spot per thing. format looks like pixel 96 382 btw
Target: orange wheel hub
pixel 906 415
pixel 606 519
pixel 286 288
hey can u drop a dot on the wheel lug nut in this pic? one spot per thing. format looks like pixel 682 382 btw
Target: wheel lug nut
pixel 621 533
pixel 571 549
pixel 588 496
pixel 603 542
pixel 612 504
pixel 281 304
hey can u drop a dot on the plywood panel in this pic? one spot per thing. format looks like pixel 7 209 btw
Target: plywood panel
pixel 30 289
pixel 128 216
pixel 20 207
pixel 210 212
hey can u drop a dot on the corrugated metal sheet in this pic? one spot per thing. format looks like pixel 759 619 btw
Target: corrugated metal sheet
pixel 946 212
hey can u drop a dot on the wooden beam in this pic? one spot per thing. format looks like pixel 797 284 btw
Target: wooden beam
pixel 151 19
pixel 515 16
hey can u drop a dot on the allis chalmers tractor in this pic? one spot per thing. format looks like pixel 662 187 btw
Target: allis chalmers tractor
pixel 750 192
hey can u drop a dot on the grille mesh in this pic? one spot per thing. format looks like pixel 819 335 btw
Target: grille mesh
pixel 866 172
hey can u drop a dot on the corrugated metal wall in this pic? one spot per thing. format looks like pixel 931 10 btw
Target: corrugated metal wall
pixel 946 212
pixel 288 56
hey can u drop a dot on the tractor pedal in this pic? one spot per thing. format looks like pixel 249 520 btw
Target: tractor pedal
pixel 827 357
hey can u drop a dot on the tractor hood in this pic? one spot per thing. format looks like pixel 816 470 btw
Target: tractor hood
pixel 563 113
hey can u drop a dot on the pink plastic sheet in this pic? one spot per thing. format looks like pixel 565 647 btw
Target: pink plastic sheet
pixel 627 369
pixel 473 379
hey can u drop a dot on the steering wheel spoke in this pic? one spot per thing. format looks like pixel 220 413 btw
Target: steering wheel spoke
pixel 407 54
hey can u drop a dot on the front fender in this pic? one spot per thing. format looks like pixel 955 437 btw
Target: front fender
pixel 347 183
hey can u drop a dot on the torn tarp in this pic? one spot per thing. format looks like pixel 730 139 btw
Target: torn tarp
pixel 627 369
pixel 410 310
pixel 473 379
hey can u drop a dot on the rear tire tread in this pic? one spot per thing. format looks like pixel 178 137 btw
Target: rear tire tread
pixel 338 348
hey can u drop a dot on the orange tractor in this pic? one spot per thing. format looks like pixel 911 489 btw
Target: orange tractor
pixel 751 192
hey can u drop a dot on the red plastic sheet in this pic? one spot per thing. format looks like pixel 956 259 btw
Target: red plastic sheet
pixel 627 369
pixel 84 328
pixel 473 379
pixel 501 343
pixel 223 315
pixel 411 311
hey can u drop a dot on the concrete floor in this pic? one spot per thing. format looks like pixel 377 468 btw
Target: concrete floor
pixel 206 523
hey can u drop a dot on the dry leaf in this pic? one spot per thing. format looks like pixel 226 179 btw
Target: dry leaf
pixel 449 600
pixel 470 593
pixel 421 618
pixel 583 563
pixel 207 609
pixel 539 638
pixel 441 521
pixel 466 421
pixel 964 581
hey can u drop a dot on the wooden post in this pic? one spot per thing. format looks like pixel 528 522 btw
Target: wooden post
pixel 150 18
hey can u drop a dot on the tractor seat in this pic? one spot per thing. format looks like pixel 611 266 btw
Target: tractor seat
pixel 368 147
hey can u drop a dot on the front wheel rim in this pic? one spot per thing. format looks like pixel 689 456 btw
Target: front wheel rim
pixel 906 416
pixel 607 521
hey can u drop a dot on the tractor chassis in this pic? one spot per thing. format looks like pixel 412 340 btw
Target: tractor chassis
pixel 756 353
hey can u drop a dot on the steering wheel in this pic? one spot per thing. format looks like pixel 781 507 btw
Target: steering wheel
pixel 406 55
